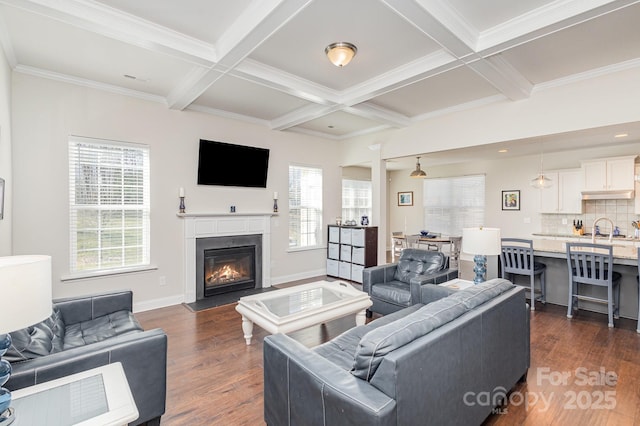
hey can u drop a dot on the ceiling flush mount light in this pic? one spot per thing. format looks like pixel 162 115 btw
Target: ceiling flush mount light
pixel 541 181
pixel 341 53
pixel 418 173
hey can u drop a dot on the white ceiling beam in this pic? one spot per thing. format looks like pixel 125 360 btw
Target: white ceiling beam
pixel 543 21
pixel 379 114
pixel 302 115
pixel 290 84
pixel 503 76
pixel 412 72
pixel 431 18
pixel 251 28
pixel 109 22
pixel 455 35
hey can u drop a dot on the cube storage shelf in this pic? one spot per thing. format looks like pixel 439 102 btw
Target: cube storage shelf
pixel 350 249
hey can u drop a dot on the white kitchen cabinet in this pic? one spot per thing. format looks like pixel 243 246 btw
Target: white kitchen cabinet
pixel 609 174
pixel 564 194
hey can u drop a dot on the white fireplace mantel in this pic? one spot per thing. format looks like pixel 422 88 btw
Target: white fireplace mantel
pixel 203 225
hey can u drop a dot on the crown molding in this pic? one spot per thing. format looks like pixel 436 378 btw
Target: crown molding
pixel 37 72
pixel 544 20
pixel 227 114
pixel 118 25
pixel 588 75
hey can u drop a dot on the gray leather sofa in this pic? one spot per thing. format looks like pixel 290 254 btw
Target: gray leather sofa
pixel 88 332
pixel 424 365
pixel 397 285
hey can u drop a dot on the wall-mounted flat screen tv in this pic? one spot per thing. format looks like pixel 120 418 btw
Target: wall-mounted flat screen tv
pixel 226 164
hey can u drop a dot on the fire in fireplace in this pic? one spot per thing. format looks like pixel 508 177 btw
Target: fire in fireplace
pixel 229 269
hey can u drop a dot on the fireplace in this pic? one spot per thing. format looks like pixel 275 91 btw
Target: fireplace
pixel 228 264
pixel 228 270
pixel 201 229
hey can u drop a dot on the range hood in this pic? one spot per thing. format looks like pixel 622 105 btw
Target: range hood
pixel 608 195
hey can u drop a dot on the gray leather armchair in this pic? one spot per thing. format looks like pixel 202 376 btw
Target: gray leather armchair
pixel 397 285
pixel 88 332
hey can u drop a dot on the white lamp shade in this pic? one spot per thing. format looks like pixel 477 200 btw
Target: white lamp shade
pixel 482 241
pixel 25 288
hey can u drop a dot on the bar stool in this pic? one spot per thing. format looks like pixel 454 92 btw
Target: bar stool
pixel 592 264
pixel 516 258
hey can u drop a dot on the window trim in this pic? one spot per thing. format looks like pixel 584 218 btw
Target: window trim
pixel 145 208
pixel 320 244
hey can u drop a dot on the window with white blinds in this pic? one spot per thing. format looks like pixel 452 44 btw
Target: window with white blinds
pixel 451 204
pixel 305 206
pixel 357 200
pixel 108 204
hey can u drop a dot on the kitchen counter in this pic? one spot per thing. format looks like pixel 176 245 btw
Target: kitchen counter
pixel 550 249
pixel 625 250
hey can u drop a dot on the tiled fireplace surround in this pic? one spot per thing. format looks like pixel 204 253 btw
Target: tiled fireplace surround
pixel 204 225
pixel 621 212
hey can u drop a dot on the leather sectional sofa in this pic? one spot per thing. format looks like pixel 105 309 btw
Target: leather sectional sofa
pixel 434 364
pixel 88 332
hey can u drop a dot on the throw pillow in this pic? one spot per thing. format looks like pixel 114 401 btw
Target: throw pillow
pixel 38 340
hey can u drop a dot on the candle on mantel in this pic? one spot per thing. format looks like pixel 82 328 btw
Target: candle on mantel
pixel 181 192
pixel 275 195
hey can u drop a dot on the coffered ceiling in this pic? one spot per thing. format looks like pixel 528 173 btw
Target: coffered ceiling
pixel 263 61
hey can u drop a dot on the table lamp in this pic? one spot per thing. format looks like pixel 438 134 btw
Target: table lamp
pixel 25 287
pixel 481 242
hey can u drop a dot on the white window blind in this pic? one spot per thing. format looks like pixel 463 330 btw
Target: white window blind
pixel 451 204
pixel 305 206
pixel 109 204
pixel 356 199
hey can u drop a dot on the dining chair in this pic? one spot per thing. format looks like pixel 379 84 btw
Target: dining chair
pixel 412 241
pixel 592 264
pixel 455 244
pixel 517 258
pixel 398 244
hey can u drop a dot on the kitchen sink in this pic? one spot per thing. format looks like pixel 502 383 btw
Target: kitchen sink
pixel 588 234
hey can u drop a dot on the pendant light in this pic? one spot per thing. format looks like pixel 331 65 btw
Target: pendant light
pixel 541 181
pixel 418 173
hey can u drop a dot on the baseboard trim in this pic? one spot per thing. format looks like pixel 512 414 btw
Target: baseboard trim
pixel 158 303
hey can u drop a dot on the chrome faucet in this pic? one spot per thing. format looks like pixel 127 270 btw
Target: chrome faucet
pixel 593 229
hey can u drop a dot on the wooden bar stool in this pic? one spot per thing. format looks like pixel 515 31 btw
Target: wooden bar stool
pixel 516 258
pixel 592 264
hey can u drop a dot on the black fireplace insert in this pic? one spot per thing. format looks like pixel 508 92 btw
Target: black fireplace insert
pixel 229 269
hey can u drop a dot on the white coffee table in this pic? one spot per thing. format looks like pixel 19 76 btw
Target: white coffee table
pixel 457 284
pixel 294 308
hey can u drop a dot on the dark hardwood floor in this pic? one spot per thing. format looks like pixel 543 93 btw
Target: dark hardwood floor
pixel 582 372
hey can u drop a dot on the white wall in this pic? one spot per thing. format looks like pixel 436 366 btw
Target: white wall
pixel 5 154
pixel 508 174
pixel 46 112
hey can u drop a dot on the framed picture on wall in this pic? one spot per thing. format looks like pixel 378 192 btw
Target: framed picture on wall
pixel 405 198
pixel 511 200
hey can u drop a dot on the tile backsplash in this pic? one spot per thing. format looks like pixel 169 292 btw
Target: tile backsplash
pixel 621 212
